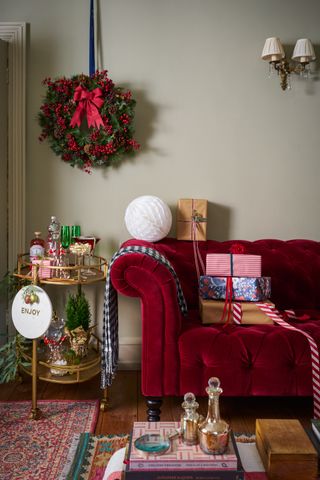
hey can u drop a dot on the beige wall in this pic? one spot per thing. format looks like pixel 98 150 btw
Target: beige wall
pixel 211 124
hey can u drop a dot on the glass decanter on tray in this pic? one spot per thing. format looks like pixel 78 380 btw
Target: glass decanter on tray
pixel 190 420
pixel 213 431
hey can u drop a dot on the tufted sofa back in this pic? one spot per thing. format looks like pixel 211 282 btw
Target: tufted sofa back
pixel 293 265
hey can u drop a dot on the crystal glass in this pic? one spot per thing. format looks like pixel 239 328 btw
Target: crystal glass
pixel 91 241
pixel 213 431
pixel 79 250
pixel 65 236
pixel 75 232
pixel 63 261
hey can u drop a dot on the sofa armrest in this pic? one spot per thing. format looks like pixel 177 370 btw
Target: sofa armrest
pixel 139 275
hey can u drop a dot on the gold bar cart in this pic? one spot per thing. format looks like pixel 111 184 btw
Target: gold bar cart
pixel 39 368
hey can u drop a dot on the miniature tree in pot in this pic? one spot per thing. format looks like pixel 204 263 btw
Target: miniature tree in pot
pixel 77 323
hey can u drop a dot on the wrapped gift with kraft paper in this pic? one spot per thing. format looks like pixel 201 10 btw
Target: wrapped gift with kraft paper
pixel 44 270
pixel 245 289
pixel 192 219
pixel 211 311
pixel 233 265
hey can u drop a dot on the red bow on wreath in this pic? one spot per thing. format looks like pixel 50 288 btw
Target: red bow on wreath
pixel 89 103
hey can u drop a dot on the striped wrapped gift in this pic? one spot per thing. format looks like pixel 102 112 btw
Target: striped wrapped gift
pixel 233 265
pixel 44 267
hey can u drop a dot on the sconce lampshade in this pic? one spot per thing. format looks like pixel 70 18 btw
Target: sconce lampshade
pixel 303 51
pixel 272 50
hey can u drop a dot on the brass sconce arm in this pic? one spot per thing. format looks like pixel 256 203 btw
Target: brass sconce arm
pixel 284 69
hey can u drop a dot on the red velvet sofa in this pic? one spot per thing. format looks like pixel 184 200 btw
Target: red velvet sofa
pixel 179 354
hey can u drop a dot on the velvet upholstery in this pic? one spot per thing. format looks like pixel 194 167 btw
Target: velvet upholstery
pixel 180 354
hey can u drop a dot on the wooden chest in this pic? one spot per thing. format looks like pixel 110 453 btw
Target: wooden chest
pixel 286 450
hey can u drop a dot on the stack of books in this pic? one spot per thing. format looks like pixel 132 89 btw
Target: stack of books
pixel 181 462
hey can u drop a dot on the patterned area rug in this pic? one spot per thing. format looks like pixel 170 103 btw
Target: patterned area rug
pixel 38 449
pixel 92 455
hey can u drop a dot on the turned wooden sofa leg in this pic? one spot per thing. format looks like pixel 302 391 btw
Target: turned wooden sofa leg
pixel 153 408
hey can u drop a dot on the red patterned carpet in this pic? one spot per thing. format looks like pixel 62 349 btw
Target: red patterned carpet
pixel 38 449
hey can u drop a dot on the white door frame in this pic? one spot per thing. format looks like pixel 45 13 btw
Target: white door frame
pixel 16 35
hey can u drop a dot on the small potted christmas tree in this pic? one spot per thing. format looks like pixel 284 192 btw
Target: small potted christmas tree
pixel 78 323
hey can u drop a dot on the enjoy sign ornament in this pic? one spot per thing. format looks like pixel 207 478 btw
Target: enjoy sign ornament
pixel 31 311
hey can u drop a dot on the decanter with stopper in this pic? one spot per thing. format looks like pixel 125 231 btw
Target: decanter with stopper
pixel 189 420
pixel 213 431
pixel 54 338
pixel 53 237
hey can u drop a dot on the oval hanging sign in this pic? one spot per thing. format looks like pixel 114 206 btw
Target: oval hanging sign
pixel 31 311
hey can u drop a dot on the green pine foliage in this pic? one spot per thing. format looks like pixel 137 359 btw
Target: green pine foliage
pixel 11 351
pixel 78 312
pixel 11 357
pixel 10 285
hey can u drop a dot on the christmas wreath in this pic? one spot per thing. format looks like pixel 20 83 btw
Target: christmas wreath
pixel 106 134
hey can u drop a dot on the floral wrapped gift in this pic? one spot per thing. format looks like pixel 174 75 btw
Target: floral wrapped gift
pixel 247 289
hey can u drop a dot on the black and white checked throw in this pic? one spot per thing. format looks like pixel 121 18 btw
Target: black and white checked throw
pixel 110 346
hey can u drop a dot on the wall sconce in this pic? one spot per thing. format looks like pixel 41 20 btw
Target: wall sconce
pixel 303 54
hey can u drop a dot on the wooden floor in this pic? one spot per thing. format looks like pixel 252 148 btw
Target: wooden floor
pixel 127 404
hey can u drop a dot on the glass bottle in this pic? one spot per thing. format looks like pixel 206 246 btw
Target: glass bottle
pixel 53 244
pixel 213 431
pixel 37 246
pixel 189 420
pixel 53 237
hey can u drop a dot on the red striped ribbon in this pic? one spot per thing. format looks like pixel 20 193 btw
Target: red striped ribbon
pixel 237 313
pixel 227 308
pixel 314 352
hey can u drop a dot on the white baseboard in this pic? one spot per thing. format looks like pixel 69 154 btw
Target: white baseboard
pixel 129 365
pixel 129 353
pixel 130 341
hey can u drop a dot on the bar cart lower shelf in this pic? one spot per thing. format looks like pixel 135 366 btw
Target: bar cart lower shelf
pixel 87 368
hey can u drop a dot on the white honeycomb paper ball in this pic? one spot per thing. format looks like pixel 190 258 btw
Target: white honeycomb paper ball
pixel 148 218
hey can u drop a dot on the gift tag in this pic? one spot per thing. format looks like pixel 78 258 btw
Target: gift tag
pixel 31 311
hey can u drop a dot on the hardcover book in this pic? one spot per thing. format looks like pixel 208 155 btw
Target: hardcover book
pixel 182 462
